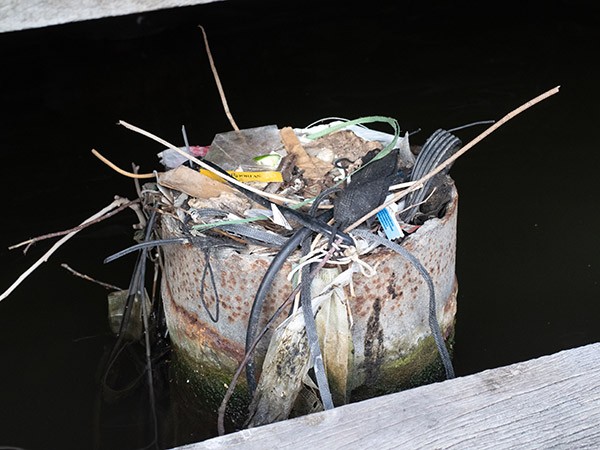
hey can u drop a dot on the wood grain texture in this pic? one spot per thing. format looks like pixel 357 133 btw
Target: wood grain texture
pixel 549 402
pixel 19 15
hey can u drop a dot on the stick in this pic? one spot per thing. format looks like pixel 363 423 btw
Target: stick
pixel 273 197
pixel 115 204
pixel 113 166
pixel 88 278
pixel 421 182
pixel 136 181
pixel 74 229
pixel 218 81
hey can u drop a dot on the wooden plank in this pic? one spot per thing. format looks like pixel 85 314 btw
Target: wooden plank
pixel 21 15
pixel 549 402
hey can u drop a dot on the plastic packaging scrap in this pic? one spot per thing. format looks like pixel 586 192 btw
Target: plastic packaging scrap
pixel 172 159
pixel 251 155
pixel 242 150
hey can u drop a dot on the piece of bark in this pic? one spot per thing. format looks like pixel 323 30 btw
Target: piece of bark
pixel 314 168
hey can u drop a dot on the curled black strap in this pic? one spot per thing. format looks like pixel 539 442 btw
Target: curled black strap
pixel 311 331
pixel 145 245
pixel 198 241
pixel 439 147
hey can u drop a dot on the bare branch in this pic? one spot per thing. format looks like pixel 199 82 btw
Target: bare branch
pixel 420 182
pixel 114 167
pixel 218 81
pixel 88 278
pixel 75 229
pixel 115 204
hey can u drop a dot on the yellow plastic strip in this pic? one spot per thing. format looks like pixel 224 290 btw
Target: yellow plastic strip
pixel 270 176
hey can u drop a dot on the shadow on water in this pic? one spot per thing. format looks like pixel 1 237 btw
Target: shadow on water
pixel 528 259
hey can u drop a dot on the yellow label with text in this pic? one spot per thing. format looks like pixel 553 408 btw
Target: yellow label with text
pixel 269 176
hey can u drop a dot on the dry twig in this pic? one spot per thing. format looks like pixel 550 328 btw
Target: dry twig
pixel 218 81
pixel 130 204
pixel 116 168
pixel 421 182
pixel 136 181
pixel 118 202
pixel 88 278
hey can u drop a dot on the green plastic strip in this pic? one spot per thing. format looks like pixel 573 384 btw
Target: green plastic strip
pixel 369 119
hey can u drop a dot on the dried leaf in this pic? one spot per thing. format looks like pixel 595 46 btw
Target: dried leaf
pixel 284 369
pixel 192 182
pixel 286 363
pixel 288 359
pixel 308 400
pixel 335 338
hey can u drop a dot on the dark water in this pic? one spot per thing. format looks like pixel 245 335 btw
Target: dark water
pixel 528 258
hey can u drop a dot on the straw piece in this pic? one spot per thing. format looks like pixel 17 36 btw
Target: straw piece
pixel 113 166
pixel 218 81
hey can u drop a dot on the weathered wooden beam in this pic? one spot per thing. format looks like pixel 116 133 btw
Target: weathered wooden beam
pixel 21 15
pixel 549 402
